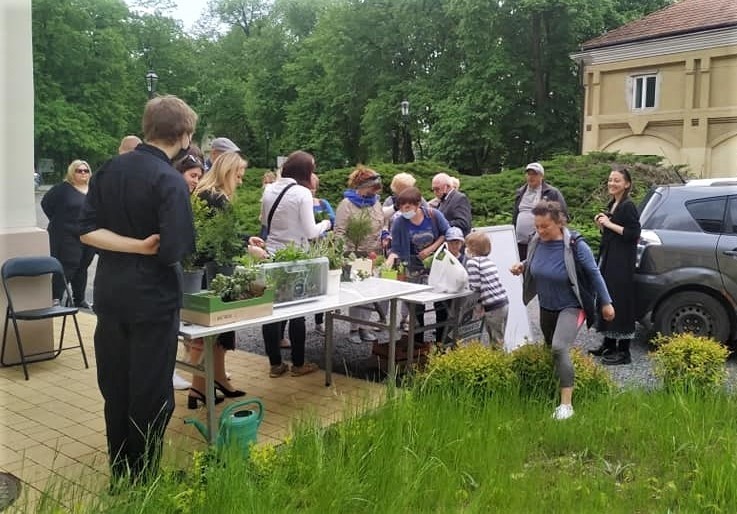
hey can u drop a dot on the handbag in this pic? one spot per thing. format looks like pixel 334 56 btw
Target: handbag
pixel 447 274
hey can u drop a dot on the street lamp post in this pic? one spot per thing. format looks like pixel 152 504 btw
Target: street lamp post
pixel 268 138
pixel 405 150
pixel 151 79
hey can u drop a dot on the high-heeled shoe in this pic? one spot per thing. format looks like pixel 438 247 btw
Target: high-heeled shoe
pixel 235 393
pixel 194 400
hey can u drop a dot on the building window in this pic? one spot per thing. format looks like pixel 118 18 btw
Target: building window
pixel 643 91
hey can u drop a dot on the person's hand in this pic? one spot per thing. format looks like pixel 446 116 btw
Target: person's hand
pixel 150 245
pixel 607 312
pixel 389 262
pixel 257 252
pixel 256 241
pixel 517 269
pixel 601 219
pixel 424 254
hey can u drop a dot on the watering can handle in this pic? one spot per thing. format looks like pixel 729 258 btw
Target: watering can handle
pixel 228 411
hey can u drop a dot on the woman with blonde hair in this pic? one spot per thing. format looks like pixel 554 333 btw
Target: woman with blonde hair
pixel 217 188
pixel 62 205
pixel 218 185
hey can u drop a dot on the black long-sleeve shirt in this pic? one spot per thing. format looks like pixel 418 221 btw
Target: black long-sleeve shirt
pixel 138 194
pixel 62 205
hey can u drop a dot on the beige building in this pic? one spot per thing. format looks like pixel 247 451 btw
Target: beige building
pixel 666 85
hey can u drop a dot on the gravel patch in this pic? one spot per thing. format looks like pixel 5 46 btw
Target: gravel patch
pixel 357 361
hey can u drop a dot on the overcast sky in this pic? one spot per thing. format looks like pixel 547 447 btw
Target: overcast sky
pixel 188 11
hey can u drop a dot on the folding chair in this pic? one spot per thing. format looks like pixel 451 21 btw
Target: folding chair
pixel 35 267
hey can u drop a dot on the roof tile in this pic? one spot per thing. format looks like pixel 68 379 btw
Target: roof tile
pixel 682 17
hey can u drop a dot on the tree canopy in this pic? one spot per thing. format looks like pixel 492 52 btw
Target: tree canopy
pixel 490 85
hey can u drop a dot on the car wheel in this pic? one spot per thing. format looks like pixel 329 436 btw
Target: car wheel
pixel 695 312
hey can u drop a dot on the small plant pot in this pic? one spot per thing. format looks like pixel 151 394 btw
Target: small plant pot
pixel 389 273
pixel 192 280
pixel 334 276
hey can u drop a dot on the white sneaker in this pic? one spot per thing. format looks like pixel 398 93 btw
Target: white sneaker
pixel 320 329
pixel 179 382
pixel 563 411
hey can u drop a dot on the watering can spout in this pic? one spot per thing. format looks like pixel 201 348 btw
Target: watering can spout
pixel 199 426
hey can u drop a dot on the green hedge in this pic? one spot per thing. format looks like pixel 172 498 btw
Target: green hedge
pixel 581 178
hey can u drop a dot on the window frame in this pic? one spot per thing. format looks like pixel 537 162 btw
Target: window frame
pixel 643 93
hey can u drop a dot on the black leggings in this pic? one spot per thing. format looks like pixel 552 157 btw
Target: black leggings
pixel 272 333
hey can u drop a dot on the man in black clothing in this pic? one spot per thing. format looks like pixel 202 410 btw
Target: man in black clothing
pixel 452 203
pixel 138 214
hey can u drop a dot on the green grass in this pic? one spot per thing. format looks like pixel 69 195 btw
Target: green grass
pixel 629 452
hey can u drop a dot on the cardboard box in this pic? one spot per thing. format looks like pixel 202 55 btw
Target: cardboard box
pixel 209 310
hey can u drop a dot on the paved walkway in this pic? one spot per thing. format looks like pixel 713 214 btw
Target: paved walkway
pixel 52 431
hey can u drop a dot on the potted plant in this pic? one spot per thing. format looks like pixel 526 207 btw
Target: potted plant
pixel 332 247
pixel 192 264
pixel 358 228
pixel 220 241
pixel 241 295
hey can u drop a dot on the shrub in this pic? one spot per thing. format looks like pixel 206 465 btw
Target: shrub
pixel 473 368
pixel 689 362
pixel 592 379
pixel 533 365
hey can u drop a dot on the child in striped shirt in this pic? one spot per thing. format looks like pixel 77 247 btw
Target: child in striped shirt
pixel 483 276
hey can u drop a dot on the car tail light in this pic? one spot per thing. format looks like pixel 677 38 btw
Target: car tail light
pixel 647 238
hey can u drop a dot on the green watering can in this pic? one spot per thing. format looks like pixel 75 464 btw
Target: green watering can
pixel 238 426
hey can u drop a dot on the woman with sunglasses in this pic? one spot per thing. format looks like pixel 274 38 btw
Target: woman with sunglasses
pixel 191 169
pixel 62 205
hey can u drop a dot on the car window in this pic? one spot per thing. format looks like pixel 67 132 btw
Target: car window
pixel 731 224
pixel 708 213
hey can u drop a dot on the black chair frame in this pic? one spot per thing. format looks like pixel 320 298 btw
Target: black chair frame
pixel 35 267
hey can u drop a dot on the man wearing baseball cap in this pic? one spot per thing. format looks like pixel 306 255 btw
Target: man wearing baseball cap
pixel 526 197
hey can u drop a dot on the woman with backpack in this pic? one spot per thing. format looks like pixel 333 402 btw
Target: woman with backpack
pixel 550 274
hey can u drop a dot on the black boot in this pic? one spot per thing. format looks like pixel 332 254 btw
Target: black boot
pixel 622 356
pixel 608 347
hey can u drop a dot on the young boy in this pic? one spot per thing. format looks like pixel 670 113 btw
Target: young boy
pixel 483 277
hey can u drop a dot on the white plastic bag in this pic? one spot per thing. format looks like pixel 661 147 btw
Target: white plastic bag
pixel 447 274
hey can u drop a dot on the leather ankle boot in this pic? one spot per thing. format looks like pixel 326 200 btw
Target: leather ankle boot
pixel 617 358
pixel 608 347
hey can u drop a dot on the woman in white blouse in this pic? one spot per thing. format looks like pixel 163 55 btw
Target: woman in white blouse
pixel 292 220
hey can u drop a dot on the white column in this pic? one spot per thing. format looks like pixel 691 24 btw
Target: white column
pixel 18 232
pixel 17 207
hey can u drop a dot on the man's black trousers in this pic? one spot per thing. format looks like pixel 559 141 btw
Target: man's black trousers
pixel 135 363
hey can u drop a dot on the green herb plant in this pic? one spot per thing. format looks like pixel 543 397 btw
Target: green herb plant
pixel 331 246
pixel 243 284
pixel 358 228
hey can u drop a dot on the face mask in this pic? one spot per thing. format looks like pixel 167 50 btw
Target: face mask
pixel 409 215
pixel 181 154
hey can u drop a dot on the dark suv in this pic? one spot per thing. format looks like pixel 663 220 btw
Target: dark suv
pixel 686 277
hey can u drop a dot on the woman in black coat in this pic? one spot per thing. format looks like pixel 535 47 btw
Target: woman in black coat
pixel 620 231
pixel 62 205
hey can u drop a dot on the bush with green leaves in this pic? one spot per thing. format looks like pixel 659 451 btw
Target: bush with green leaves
pixel 689 362
pixel 473 368
pixel 533 365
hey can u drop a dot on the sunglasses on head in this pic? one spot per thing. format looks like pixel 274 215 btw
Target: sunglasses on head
pixel 190 160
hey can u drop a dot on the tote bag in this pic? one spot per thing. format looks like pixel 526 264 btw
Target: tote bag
pixel 447 274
